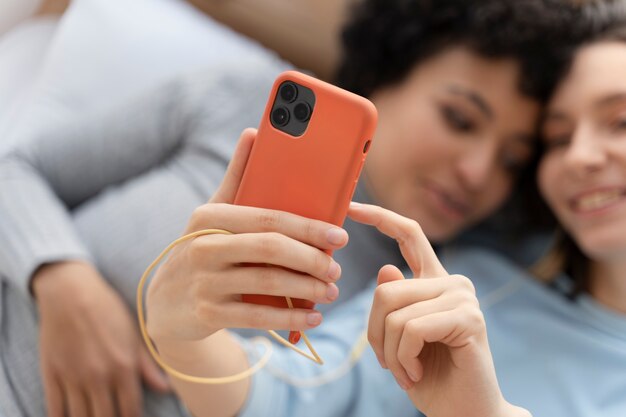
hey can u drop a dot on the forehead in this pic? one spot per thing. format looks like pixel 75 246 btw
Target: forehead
pixel 598 70
pixel 496 79
pixel 464 65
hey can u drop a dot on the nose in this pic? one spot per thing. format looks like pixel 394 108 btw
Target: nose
pixel 477 164
pixel 585 153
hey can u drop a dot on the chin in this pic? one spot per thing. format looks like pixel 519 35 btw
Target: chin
pixel 606 247
pixel 438 235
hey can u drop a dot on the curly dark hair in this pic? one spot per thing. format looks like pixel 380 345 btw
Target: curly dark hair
pixel 385 39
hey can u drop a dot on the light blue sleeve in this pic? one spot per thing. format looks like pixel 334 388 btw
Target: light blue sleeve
pixel 364 390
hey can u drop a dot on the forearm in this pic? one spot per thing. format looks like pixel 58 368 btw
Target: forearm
pixel 217 356
pixel 46 176
pixel 306 32
pixel 35 226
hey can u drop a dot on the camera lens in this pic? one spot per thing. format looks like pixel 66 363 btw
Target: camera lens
pixel 280 116
pixel 302 111
pixel 288 92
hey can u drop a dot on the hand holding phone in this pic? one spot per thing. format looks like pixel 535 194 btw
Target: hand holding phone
pixel 307 157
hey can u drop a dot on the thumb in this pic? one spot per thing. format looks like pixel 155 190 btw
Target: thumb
pixel 389 273
pixel 227 190
pixel 151 373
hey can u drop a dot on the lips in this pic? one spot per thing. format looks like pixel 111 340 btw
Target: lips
pixel 597 200
pixel 457 205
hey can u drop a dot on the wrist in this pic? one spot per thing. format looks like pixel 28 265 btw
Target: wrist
pixel 186 352
pixel 62 280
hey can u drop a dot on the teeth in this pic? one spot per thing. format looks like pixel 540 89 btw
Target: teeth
pixel 598 200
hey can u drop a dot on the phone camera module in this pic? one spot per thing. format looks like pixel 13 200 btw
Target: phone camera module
pixel 280 116
pixel 288 92
pixel 302 111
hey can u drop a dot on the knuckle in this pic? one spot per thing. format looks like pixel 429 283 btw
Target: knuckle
pixel 383 294
pixel 465 283
pixel 410 229
pixel 200 249
pixel 309 231
pixel 269 220
pixel 413 328
pixel 293 321
pixel 372 338
pixel 394 322
pixel 258 320
pixel 269 245
pixel 123 362
pixel 475 317
pixel 200 216
pixel 92 372
pixel 268 282
pixel 318 289
pixel 203 311
pixel 321 264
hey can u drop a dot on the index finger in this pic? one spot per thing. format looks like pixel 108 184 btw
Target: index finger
pixel 243 219
pixel 414 245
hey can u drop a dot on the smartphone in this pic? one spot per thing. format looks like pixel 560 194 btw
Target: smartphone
pixel 309 151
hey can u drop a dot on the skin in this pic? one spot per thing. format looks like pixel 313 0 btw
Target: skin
pixel 459 126
pixel 437 318
pixel 585 137
pixel 441 313
pixel 92 360
pixel 450 139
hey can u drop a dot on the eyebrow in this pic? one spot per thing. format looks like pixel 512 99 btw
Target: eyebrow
pixel 559 116
pixel 611 99
pixel 474 97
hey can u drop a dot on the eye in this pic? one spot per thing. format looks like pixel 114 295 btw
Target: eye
pixel 514 161
pixel 556 142
pixel 619 124
pixel 457 120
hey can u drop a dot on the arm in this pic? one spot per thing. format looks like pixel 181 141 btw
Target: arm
pixel 83 358
pixel 305 33
pixel 45 177
pixel 195 294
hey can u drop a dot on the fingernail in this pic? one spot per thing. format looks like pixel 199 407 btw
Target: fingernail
pixel 313 319
pixel 334 270
pixel 336 236
pixel 354 204
pixel 332 292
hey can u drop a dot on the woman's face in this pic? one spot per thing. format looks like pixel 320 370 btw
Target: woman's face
pixel 582 174
pixel 450 140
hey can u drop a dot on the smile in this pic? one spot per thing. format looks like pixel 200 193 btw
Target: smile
pixel 597 200
pixel 454 206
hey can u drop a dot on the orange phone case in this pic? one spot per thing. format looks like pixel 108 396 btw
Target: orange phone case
pixel 313 175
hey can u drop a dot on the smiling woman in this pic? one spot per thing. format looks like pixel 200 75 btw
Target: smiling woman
pixel 582 173
pixel 463 128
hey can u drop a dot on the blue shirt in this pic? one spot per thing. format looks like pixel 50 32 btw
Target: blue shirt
pixel 553 356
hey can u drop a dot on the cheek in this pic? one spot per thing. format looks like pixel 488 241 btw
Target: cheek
pixel 495 194
pixel 547 178
pixel 408 143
